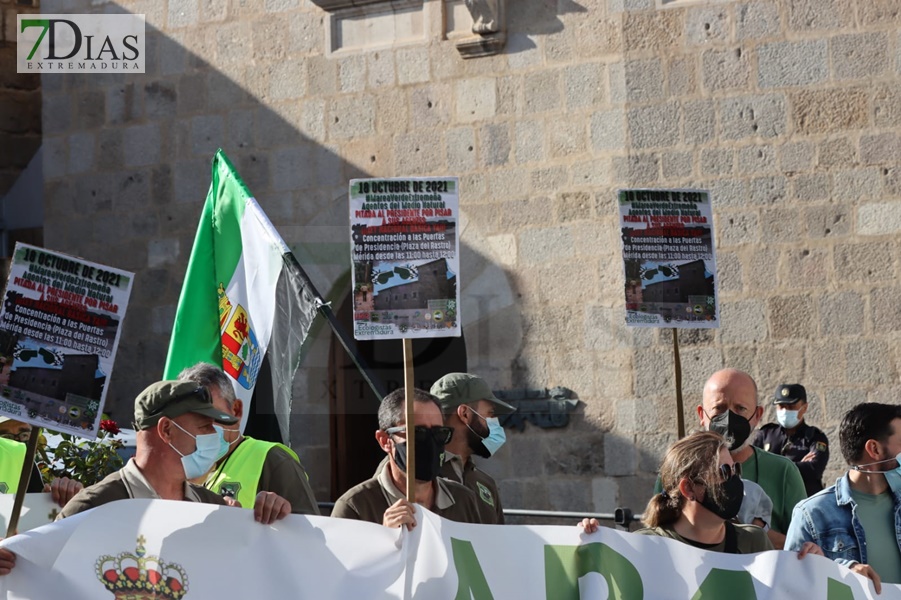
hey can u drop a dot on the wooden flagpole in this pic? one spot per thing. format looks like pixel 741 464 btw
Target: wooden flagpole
pixel 409 420
pixel 27 467
pixel 677 362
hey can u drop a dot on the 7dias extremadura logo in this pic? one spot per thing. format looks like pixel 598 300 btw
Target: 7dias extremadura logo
pixel 80 43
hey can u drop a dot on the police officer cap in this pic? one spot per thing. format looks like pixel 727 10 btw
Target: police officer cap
pixel 789 393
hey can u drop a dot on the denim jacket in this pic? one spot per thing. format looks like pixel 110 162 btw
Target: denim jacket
pixel 829 519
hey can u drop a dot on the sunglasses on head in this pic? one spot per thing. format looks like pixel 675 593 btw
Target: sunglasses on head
pixel 440 434
pixel 200 391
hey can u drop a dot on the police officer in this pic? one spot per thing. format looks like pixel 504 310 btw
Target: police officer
pixel 791 437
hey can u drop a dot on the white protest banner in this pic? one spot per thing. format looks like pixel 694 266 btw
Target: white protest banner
pixel 37 510
pixel 668 258
pixel 183 550
pixel 59 329
pixel 406 257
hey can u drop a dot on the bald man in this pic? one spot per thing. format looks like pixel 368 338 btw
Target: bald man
pixel 729 406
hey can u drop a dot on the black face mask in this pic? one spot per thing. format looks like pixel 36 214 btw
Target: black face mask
pixel 474 439
pixel 733 494
pixel 429 457
pixel 732 426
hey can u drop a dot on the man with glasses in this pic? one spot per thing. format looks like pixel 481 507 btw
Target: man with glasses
pixel 471 409
pixel 382 499
pixel 729 407
pixel 176 442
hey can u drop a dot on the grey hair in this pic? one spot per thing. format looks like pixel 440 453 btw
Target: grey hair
pixel 391 410
pixel 208 376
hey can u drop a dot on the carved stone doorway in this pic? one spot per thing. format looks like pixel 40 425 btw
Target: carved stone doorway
pixel 354 407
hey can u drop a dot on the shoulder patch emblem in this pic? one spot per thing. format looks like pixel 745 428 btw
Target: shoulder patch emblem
pixel 820 446
pixel 485 494
pixel 230 488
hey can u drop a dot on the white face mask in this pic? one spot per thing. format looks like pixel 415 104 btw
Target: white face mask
pixel 206 453
pixel 788 418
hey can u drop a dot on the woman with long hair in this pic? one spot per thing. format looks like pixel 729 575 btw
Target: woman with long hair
pixel 702 494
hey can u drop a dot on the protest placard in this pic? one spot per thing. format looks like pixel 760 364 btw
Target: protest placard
pixel 405 255
pixel 668 258
pixel 59 329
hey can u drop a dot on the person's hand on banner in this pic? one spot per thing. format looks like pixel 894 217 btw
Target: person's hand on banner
pixel 63 489
pixel 269 507
pixel 7 561
pixel 868 572
pixel 810 548
pixel 589 525
pixel 400 513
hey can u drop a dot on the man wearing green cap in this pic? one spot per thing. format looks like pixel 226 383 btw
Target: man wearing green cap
pixel 471 409
pixel 176 442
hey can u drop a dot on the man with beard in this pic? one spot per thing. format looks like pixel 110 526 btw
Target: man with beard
pixel 729 407
pixel 471 409
pixel 857 521
pixel 381 499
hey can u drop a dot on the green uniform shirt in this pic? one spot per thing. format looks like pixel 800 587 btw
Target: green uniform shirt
pixel 479 483
pixel 749 538
pixel 369 500
pixel 257 466
pixel 877 516
pixel 128 482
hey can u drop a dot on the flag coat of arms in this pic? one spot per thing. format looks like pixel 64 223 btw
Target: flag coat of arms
pixel 241 297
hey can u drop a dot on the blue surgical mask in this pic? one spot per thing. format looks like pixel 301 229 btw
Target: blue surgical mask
pixel 788 418
pixel 491 443
pixel 206 450
pixel 893 477
pixel 224 446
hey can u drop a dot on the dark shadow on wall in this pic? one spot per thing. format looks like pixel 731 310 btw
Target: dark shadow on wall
pixel 127 169
pixel 529 20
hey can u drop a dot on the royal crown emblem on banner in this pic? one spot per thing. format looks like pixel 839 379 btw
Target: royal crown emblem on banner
pixel 140 577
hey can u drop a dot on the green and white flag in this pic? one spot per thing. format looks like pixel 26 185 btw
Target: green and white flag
pixel 241 296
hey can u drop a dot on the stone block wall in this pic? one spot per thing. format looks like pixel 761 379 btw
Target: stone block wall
pixel 786 110
pixel 20 99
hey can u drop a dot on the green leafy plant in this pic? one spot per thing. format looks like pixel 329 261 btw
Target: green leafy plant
pixel 88 461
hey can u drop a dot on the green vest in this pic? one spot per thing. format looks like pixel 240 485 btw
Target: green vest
pixel 239 475
pixel 12 457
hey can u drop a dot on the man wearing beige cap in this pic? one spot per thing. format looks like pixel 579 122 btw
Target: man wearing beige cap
pixel 471 409
pixel 176 441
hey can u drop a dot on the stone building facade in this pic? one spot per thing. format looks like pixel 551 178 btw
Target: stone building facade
pixel 788 111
